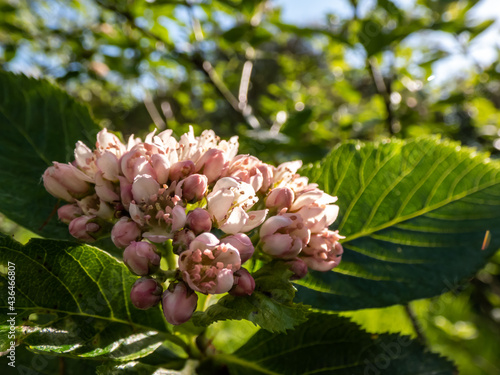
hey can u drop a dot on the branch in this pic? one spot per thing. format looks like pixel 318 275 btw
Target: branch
pixel 153 112
pixel 196 60
pixel 385 91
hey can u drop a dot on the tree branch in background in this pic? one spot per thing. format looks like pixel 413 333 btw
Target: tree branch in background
pixel 237 104
pixel 385 91
pixel 153 112
pixel 197 60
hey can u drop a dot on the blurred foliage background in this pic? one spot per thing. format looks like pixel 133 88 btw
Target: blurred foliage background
pixel 292 79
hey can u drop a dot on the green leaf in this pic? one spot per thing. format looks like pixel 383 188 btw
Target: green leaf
pixel 73 300
pixel 270 306
pixel 329 344
pixel 39 124
pixel 415 214
pixel 229 335
pixel 29 363
pixel 133 368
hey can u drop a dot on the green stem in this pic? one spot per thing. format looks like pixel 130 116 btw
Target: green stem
pixel 167 251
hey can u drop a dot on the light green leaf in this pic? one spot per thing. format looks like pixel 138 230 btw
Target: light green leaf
pixel 415 214
pixel 270 305
pixel 328 344
pixel 73 300
pixel 39 124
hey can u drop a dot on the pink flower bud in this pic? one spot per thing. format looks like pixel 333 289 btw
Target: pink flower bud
pixel 109 165
pixel 298 267
pixel 124 232
pixel 141 258
pixel 68 212
pixel 182 239
pixel 213 163
pixel 178 303
pixel 199 220
pixel 161 165
pixel 242 243
pixel 244 283
pixel 146 293
pixel 84 228
pixel 193 187
pixel 178 217
pixel 323 252
pixel 181 170
pixel 280 198
pixel 144 187
pixel 284 236
pixel 66 182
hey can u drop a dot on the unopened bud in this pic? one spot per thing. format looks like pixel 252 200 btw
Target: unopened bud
pixel 144 187
pixel 65 181
pixel 212 163
pixel 141 258
pixel 199 221
pixel 244 283
pixel 84 228
pixel 181 170
pixel 68 212
pixel 193 187
pixel 178 303
pixel 124 232
pixel 298 267
pixel 146 293
pixel 242 243
pixel 280 198
pixel 161 165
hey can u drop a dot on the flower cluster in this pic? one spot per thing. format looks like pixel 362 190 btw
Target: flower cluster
pixel 216 208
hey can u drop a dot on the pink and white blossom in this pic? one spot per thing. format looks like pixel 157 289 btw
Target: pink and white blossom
pixel 208 266
pixel 228 204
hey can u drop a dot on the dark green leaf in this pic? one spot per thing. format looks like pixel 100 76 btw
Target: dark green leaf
pixel 29 363
pixel 328 344
pixel 74 300
pixel 39 124
pixel 236 33
pixel 270 306
pixel 415 214
pixel 133 368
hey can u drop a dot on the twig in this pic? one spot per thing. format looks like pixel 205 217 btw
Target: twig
pixel 236 103
pixel 153 112
pixel 385 91
pixel 196 60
